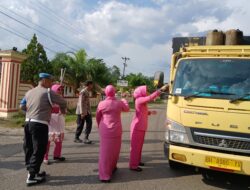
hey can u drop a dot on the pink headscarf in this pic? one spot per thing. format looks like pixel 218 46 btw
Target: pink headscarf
pixel 140 91
pixel 110 91
pixel 56 88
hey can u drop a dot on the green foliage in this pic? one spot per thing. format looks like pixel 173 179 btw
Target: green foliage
pixel 116 73
pixel 76 71
pixel 79 69
pixel 139 79
pixel 99 72
pixel 35 63
pixel 60 61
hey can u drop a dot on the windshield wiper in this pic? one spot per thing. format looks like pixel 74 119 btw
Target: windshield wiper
pixel 204 92
pixel 239 98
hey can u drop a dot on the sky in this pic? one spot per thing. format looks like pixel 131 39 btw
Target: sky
pixel 110 29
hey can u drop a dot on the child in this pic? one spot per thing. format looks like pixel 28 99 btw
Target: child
pixel 139 124
pixel 56 129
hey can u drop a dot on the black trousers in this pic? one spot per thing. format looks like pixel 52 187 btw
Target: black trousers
pixel 35 145
pixel 80 124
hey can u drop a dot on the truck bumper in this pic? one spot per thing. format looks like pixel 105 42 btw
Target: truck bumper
pixel 196 157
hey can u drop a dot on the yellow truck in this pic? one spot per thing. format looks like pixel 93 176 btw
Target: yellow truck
pixel 208 108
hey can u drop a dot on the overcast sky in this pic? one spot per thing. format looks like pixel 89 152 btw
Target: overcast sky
pixel 139 29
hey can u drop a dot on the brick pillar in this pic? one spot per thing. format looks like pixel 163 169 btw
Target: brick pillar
pixel 10 80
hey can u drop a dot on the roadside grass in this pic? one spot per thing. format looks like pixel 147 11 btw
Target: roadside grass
pixel 71 114
pixel 18 120
pixel 15 122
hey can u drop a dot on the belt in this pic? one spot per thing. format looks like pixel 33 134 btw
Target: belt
pixel 37 121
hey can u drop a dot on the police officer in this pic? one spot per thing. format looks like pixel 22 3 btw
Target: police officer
pixel 83 112
pixel 38 105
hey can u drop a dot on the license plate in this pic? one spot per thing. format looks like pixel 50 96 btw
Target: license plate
pixel 223 163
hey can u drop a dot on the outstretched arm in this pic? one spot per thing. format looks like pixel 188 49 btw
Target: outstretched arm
pixel 143 100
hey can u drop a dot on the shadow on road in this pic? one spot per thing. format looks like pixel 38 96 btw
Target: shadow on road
pixel 12 165
pixel 225 180
pixel 8 150
pixel 123 175
pixel 152 171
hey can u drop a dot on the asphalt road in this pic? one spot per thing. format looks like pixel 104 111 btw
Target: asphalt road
pixel 80 170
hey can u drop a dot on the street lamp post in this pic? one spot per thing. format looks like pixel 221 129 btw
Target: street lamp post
pixel 124 65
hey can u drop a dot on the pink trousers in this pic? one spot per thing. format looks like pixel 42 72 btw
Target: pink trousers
pixel 57 150
pixel 137 140
pixel 108 156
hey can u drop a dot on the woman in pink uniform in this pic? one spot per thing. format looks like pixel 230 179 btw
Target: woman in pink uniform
pixel 56 129
pixel 139 124
pixel 108 117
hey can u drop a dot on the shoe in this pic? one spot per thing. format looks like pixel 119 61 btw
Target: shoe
pixel 46 162
pixel 138 169
pixel 34 180
pixel 87 141
pixel 61 159
pixel 141 164
pixel 78 141
pixel 42 174
pixel 106 181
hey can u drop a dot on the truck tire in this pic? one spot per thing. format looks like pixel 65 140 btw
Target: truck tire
pixel 211 175
pixel 174 165
pixel 207 175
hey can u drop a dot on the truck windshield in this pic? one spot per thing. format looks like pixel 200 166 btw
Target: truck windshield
pixel 213 78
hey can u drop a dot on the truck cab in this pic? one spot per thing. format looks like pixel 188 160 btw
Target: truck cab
pixel 208 108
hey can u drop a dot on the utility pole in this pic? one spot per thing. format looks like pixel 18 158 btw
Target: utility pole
pixel 124 65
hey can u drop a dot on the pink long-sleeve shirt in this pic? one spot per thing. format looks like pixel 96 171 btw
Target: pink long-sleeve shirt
pixel 108 116
pixel 140 120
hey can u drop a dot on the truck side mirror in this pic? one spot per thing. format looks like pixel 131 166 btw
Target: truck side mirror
pixel 159 79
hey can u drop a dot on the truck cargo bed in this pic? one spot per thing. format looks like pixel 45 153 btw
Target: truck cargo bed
pixel 179 42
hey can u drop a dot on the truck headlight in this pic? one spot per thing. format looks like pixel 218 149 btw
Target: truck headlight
pixel 176 132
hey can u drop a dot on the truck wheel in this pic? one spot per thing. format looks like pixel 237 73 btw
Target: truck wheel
pixel 208 175
pixel 174 165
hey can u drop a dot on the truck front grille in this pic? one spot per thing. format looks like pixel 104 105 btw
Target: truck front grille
pixel 222 141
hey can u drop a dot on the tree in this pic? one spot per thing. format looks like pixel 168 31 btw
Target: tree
pixel 35 63
pixel 61 60
pixel 139 79
pixel 116 73
pixel 99 72
pixel 79 68
pixel 76 71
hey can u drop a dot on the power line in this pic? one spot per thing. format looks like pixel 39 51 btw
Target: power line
pixel 52 18
pixel 48 10
pixel 23 37
pixel 43 28
pixel 36 30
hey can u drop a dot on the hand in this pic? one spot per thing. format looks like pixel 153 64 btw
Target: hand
pixel 124 100
pixel 164 88
pixel 153 112
pixel 62 136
